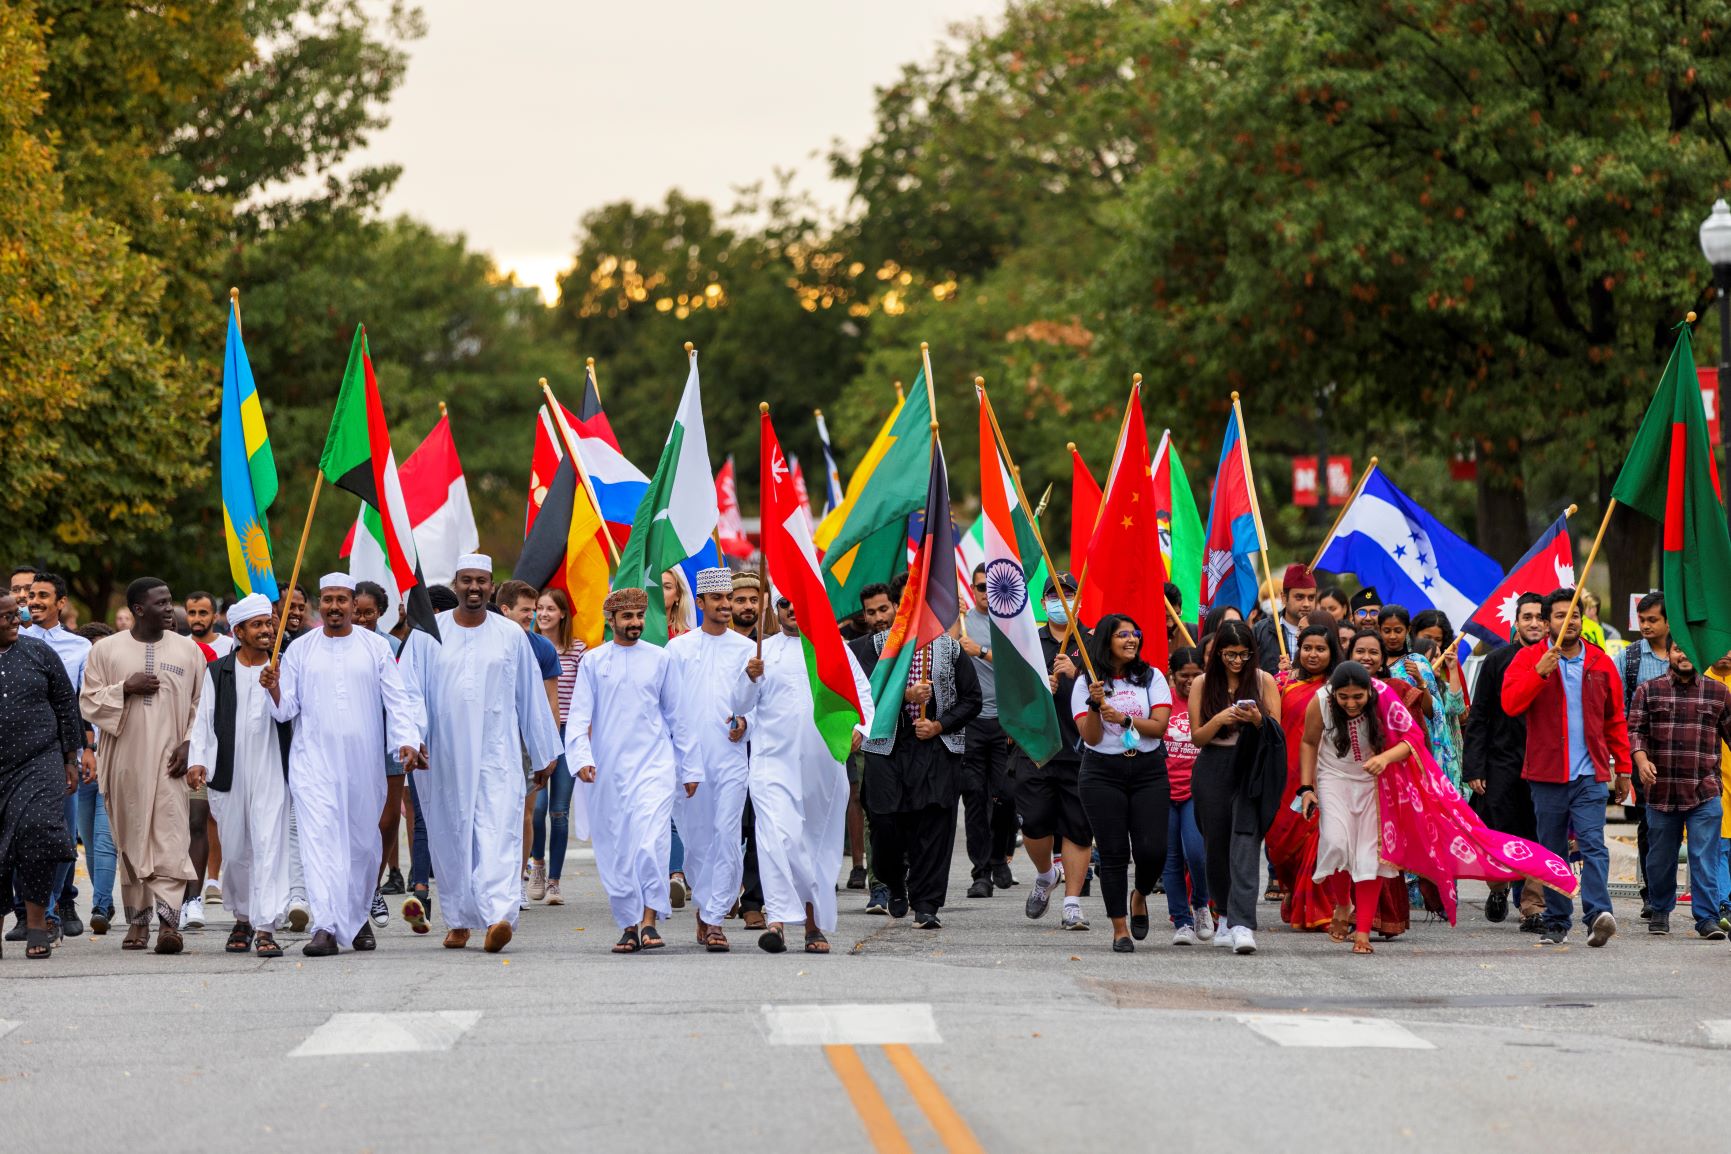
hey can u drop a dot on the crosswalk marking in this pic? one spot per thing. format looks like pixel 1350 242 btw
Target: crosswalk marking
pixel 851 1024
pixel 399 1033
pixel 1718 1032
pixel 1329 1032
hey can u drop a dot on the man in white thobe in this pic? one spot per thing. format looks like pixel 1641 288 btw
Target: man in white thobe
pixel 798 790
pixel 710 661
pixel 481 694
pixel 241 753
pixel 343 686
pixel 627 739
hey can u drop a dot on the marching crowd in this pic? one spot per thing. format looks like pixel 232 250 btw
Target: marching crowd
pixel 272 753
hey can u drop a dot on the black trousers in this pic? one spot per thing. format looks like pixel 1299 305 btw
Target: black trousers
pixel 911 854
pixel 990 808
pixel 1126 799
pixel 1234 856
pixel 751 889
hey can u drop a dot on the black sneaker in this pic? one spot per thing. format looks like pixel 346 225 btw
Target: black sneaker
pixel 1659 924
pixel 1709 930
pixel 365 940
pixel 982 888
pixel 1002 878
pixel 1088 884
pixel 1497 906
pixel 856 878
pixel 69 923
pixel 393 883
pixel 1554 935
pixel 18 932
pixel 1532 924
pixel 898 906
pixel 927 921
pixel 1646 912
pixel 879 901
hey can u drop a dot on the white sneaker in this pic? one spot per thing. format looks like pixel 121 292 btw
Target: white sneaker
pixel 523 901
pixel 213 890
pixel 1204 924
pixel 1184 936
pixel 1243 940
pixel 1222 935
pixel 192 914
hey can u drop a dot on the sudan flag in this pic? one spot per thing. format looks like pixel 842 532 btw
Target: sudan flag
pixel 1670 476
pixel 358 458
pixel 792 561
pixel 930 602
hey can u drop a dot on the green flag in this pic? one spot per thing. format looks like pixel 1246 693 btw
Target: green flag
pixel 1181 539
pixel 871 544
pixel 1669 476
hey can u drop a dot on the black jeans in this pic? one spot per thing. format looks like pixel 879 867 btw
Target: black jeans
pixel 1234 857
pixel 990 816
pixel 1126 799
pixel 911 854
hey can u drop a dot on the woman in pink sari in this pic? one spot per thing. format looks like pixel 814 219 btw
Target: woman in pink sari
pixel 1385 806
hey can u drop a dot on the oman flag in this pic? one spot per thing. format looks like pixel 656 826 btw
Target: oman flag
pixel 1125 572
pixel 792 560
pixel 437 499
pixel 357 457
pixel 1025 707
pixel 1670 476
pixel 730 530
pixel 1548 565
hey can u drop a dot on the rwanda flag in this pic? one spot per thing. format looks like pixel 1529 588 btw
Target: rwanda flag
pixel 248 471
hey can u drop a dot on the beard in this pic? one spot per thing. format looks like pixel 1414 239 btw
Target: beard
pixel 744 619
pixel 631 632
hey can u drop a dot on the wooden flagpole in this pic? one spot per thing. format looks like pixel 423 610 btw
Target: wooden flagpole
pixel 1340 516
pixel 570 439
pixel 295 574
pixel 1256 512
pixel 1581 577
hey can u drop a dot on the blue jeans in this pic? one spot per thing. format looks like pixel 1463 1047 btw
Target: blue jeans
pixel 676 858
pixel 65 893
pixel 420 859
pixel 99 857
pixel 1706 860
pixel 1184 849
pixel 1724 872
pixel 553 812
pixel 1578 805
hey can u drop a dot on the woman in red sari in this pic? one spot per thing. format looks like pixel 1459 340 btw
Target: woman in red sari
pixel 1292 838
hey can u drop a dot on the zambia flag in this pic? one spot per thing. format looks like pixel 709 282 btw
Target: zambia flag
pixel 1670 476
pixel 929 603
pixel 358 458
pixel 865 538
pixel 248 471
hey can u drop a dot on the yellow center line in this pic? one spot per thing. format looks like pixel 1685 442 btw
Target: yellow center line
pixel 951 1129
pixel 874 1113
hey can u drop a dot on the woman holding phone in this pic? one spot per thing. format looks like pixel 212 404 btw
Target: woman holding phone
pixel 1232 694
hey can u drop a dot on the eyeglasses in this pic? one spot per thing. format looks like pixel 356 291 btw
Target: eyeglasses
pixel 1235 655
pixel 1127 635
pixel 1363 613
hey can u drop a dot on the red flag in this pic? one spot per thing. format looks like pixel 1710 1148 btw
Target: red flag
pixel 730 531
pixel 1548 565
pixel 1125 572
pixel 1084 506
pixel 799 488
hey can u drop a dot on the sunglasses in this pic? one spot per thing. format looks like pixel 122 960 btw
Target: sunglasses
pixel 980 589
pixel 782 603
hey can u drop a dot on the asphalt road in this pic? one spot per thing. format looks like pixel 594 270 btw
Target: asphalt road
pixel 995 1033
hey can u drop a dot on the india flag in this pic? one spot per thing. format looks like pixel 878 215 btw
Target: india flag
pixel 1025 708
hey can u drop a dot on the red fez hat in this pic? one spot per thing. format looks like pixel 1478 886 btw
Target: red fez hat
pixel 1298 577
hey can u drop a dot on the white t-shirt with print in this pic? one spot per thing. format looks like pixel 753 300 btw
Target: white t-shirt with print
pixel 1132 701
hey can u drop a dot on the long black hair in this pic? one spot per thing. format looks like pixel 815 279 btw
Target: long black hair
pixel 1216 696
pixel 1351 673
pixel 1136 671
pixel 1330 633
pixel 1216 618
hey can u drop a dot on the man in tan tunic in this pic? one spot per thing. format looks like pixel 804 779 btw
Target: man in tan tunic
pixel 141 690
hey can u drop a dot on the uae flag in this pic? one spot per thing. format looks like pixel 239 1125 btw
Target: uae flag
pixel 437 498
pixel 929 603
pixel 793 571
pixel 1548 565
pixel 1025 707
pixel 1670 476
pixel 358 459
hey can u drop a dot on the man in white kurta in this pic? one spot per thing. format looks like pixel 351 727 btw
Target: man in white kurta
pixel 627 739
pixel 342 685
pixel 238 748
pixel 709 661
pixel 482 697
pixel 798 790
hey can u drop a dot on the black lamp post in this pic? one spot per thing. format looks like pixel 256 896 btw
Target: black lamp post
pixel 1716 247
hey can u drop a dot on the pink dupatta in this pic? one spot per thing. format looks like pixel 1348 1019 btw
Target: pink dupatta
pixel 1429 830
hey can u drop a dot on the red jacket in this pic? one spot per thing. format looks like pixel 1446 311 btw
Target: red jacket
pixel 1545 705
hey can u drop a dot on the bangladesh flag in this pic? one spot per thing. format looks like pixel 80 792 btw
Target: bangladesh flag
pixel 358 458
pixel 1670 476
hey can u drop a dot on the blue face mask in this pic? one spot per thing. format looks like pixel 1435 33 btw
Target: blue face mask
pixel 23 613
pixel 1055 611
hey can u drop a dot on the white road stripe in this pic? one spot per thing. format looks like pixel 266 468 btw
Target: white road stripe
pixel 399 1033
pixel 1718 1032
pixel 7 1027
pixel 851 1025
pixel 1334 1032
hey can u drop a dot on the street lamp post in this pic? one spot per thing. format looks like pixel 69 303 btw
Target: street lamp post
pixel 1716 247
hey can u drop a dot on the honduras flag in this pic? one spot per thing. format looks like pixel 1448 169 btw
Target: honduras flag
pixel 1388 541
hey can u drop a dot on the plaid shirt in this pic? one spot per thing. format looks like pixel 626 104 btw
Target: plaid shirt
pixel 1679 725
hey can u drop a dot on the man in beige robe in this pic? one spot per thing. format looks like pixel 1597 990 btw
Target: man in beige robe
pixel 141 690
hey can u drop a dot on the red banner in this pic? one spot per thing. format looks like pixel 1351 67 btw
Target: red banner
pixel 1304 482
pixel 1339 480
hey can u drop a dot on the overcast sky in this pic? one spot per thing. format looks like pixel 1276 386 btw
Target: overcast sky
pixel 518 116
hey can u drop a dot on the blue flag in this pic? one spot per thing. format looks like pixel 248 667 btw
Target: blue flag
pixel 1387 540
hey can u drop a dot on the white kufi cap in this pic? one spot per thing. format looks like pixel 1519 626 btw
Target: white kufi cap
pixel 337 581
pixel 475 561
pixel 248 607
pixel 717 580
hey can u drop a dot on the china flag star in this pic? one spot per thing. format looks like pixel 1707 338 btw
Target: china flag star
pixel 1125 571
